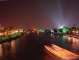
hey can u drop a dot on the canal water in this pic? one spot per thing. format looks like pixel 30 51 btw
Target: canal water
pixel 31 47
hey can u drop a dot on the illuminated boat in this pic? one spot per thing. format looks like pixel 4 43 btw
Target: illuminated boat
pixel 60 54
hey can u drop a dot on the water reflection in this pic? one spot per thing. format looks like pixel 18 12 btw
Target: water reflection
pixel 74 44
pixel 47 57
pixel 66 42
pixel 30 47
pixel 13 47
pixel 22 49
pixel 1 51
pixel 69 39
pixel 8 50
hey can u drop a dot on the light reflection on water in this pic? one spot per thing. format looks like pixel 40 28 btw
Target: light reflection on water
pixel 47 57
pixel 1 51
pixel 74 42
pixel 66 42
pixel 9 50
pixel 22 48
pixel 13 47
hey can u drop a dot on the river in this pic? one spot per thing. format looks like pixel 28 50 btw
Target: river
pixel 31 47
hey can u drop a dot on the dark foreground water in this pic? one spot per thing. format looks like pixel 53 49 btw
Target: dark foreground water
pixel 30 47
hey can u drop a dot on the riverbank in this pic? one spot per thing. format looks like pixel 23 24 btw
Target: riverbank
pixel 10 37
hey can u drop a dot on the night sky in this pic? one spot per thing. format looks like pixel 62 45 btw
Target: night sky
pixel 39 13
